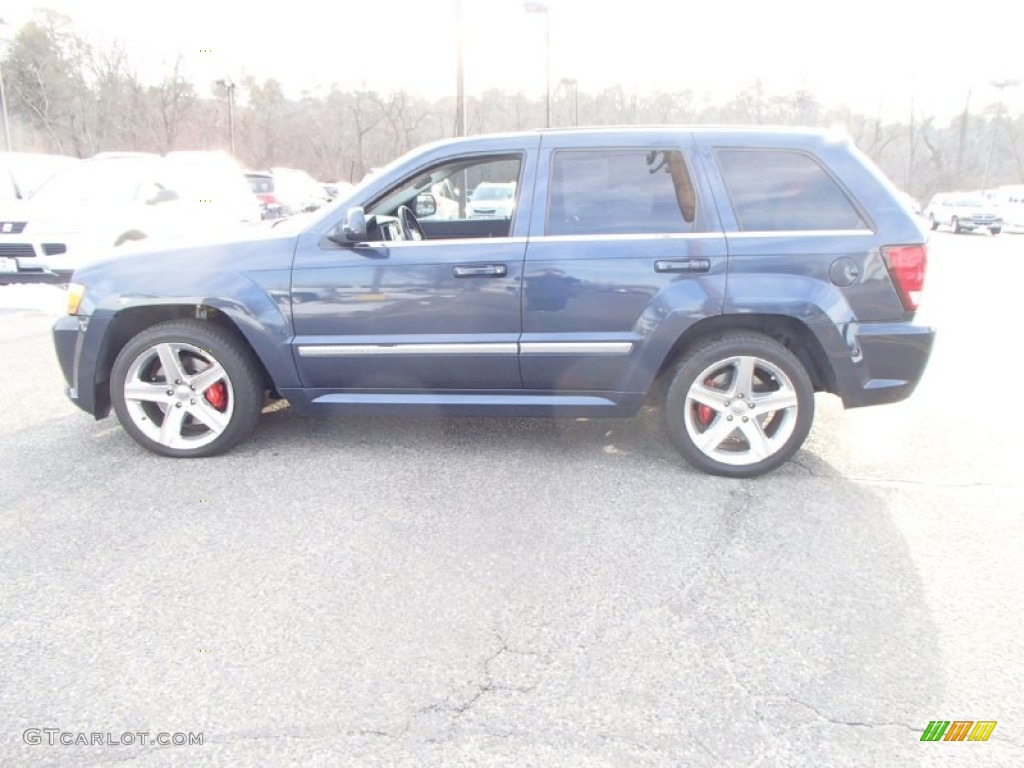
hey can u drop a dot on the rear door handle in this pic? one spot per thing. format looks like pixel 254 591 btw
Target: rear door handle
pixel 683 265
pixel 480 270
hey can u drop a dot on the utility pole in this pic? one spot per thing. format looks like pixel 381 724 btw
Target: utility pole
pixel 3 99
pixel 3 103
pixel 460 81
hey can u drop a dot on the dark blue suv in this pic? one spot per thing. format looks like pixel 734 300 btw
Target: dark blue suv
pixel 728 274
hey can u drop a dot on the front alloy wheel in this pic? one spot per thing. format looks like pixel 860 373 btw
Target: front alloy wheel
pixel 739 405
pixel 185 389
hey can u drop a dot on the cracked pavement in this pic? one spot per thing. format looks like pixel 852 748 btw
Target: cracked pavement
pixel 376 591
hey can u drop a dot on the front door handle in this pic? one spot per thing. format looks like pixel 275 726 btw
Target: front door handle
pixel 683 265
pixel 480 270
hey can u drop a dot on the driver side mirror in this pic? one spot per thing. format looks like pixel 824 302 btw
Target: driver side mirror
pixel 426 205
pixel 354 226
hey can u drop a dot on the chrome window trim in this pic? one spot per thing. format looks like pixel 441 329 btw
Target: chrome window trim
pixel 803 233
pixel 608 348
pixel 620 237
pixel 601 348
pixel 368 350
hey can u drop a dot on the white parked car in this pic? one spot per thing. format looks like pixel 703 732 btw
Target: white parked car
pixel 964 212
pixel 113 199
pixel 492 200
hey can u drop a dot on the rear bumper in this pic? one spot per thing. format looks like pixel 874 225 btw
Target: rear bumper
pixel 885 362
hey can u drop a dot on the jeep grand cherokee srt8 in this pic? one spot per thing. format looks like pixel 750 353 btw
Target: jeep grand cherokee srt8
pixel 728 274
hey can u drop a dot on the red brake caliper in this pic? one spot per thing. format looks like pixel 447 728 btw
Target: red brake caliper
pixel 217 395
pixel 704 412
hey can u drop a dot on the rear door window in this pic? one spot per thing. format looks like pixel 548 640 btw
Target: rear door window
pixel 633 191
pixel 779 190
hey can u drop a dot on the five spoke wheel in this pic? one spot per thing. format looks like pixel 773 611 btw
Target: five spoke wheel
pixel 186 388
pixel 741 410
pixel 179 395
pixel 739 405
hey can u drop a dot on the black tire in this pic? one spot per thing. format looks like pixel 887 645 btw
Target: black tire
pixel 230 403
pixel 932 222
pixel 995 230
pixel 954 226
pixel 717 364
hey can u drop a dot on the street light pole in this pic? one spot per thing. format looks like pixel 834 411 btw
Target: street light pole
pixel 532 6
pixel 230 86
pixel 567 81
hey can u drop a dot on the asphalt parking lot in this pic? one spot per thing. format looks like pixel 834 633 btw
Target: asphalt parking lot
pixel 376 591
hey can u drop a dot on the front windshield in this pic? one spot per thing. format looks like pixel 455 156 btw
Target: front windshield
pixel 101 180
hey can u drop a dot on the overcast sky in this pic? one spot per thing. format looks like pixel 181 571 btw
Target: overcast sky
pixel 869 54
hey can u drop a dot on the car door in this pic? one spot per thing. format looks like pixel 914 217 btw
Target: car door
pixel 442 313
pixel 620 221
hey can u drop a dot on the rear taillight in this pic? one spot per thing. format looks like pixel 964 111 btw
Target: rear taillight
pixel 267 199
pixel 907 265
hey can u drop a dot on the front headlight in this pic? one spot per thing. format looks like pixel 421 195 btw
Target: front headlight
pixel 76 292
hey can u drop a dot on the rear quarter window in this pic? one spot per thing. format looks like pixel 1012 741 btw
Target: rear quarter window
pixel 780 190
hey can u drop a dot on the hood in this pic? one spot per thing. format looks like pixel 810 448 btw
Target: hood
pixel 246 249
pixel 14 210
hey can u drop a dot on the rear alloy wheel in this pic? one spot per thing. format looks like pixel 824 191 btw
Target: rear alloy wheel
pixel 184 388
pixel 740 405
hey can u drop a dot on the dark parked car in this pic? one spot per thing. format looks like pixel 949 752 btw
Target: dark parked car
pixel 727 274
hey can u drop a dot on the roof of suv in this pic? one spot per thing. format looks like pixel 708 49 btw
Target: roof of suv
pixel 701 128
pixel 737 133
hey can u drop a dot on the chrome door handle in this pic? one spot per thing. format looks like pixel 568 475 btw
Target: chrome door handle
pixel 480 270
pixel 683 265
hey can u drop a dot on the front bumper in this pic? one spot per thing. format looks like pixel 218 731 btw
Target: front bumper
pixel 77 341
pixel 981 223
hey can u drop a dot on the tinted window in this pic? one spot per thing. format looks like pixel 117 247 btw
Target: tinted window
pixel 620 192
pixel 776 191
